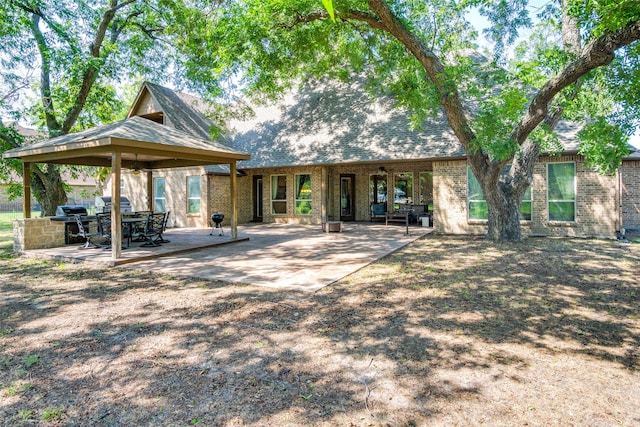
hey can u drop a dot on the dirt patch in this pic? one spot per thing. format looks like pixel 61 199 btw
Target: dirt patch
pixel 448 331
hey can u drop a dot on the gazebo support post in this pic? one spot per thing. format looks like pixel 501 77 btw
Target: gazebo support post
pixel 234 200
pixel 26 186
pixel 116 220
pixel 150 190
pixel 324 184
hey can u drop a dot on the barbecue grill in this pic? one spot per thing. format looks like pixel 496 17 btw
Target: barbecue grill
pixel 103 204
pixel 65 214
pixel 70 210
pixel 216 220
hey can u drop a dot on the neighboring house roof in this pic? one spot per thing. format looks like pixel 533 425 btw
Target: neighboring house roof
pixel 184 112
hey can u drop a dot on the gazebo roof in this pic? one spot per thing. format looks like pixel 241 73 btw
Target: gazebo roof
pixel 141 142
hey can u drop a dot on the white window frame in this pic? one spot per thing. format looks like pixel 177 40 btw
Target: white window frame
pixel 575 193
pixel 155 194
pixel 273 196
pixel 193 198
pixel 484 200
pixel 470 200
pixel 299 201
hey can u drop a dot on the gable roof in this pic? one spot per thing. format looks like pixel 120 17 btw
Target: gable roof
pixel 338 122
pixel 325 122
pixel 330 121
pixel 141 141
pixel 181 111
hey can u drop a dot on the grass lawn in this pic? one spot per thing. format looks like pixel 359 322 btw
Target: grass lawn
pixel 449 331
pixel 6 238
pixel 6 231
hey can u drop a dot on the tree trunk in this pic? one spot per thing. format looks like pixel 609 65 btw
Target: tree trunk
pixel 504 216
pixel 48 189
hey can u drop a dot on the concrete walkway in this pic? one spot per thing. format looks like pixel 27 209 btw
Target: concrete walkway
pixel 283 256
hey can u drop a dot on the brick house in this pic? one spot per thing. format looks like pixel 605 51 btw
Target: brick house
pixel 328 151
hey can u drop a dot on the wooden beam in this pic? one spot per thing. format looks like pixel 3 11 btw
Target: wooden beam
pixel 324 184
pixel 149 175
pixel 116 217
pixel 234 200
pixel 26 189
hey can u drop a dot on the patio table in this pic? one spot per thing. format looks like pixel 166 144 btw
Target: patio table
pixel 402 217
pixel 128 223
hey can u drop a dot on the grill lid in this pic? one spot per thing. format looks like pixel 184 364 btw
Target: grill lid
pixel 68 210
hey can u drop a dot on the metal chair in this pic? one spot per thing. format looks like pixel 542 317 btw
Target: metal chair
pixel 82 232
pixel 153 228
pixel 104 228
pixel 161 239
pixel 137 232
pixel 378 210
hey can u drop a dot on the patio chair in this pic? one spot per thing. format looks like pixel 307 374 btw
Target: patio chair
pixel 153 229
pixel 104 228
pixel 161 239
pixel 137 233
pixel 378 210
pixel 82 232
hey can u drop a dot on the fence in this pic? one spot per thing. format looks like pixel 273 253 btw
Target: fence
pixel 13 210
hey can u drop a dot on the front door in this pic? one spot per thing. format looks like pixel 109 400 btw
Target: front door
pixel 347 198
pixel 257 198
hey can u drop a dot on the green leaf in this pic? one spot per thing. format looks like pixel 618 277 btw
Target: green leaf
pixel 328 4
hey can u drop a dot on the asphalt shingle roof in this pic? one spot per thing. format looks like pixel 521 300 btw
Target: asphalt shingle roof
pixel 186 113
pixel 327 122
pixel 337 122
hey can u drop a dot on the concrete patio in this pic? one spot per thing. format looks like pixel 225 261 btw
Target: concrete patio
pixel 283 256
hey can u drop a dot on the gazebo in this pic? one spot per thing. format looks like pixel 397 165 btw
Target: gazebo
pixel 135 142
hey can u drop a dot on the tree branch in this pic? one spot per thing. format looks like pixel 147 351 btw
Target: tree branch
pixel 351 15
pixel 382 18
pixel 449 96
pixel 596 54
pixel 11 142
pixel 52 24
pixel 91 71
pixel 45 76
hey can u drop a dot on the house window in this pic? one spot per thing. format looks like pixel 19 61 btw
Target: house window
pixel 478 208
pixel 159 195
pixel 403 189
pixel 193 194
pixel 303 194
pixel 279 194
pixel 378 188
pixel 426 189
pixel 526 206
pixel 475 197
pixel 561 191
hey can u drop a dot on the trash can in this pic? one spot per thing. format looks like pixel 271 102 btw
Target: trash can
pixel 425 221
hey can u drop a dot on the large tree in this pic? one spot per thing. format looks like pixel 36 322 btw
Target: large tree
pixel 581 63
pixel 72 54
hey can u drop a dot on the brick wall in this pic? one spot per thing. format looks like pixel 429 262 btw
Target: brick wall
pixel 135 189
pixel 37 233
pixel 220 195
pixel 630 177
pixel 219 191
pixel 596 213
pixel 220 198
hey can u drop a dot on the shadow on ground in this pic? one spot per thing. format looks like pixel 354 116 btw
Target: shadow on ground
pixel 444 326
